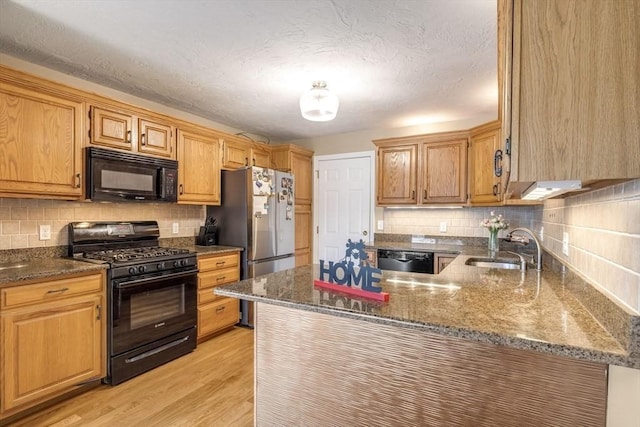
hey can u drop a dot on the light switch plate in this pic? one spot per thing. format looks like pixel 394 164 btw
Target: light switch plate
pixel 565 243
pixel 380 224
pixel 176 228
pixel 45 232
pixel 443 227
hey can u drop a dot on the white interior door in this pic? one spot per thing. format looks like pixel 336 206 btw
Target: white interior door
pixel 343 203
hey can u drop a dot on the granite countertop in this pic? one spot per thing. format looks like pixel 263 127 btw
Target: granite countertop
pixel 26 271
pixel 204 250
pixel 531 310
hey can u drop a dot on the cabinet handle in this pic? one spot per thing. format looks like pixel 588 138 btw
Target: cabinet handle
pixel 219 309
pixel 128 137
pixel 425 195
pixel 413 194
pixel 497 189
pixel 98 312
pixel 181 189
pixel 78 180
pixel 220 263
pixel 497 163
pixel 221 278
pixel 57 291
pixel 254 162
pixel 142 139
pixel 246 161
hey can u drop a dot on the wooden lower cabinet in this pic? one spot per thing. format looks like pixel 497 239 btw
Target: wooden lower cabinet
pixel 372 257
pixel 216 313
pixel 441 261
pixel 53 336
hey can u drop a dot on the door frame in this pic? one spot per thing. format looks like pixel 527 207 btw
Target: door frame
pixel 371 155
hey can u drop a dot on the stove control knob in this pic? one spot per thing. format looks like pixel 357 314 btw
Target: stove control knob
pixel 142 269
pixel 132 270
pixel 160 266
pixel 176 263
pixel 183 262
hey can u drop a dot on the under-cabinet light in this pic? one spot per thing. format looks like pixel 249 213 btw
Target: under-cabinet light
pixel 545 189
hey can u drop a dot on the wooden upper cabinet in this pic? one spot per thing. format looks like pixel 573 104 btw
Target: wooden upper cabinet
pixel 155 137
pixel 120 129
pixel 575 101
pixel 444 172
pixel 302 170
pixel 485 164
pixel 260 155
pixel 422 169
pixel 40 141
pixel 198 169
pixel 396 173
pixel 235 153
pixel 111 128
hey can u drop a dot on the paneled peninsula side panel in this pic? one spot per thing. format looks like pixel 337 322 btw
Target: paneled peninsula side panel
pixel 331 370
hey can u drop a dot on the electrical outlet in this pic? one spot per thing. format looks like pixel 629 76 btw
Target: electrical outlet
pixel 176 228
pixel 443 227
pixel 380 224
pixel 542 234
pixel 45 232
pixel 565 243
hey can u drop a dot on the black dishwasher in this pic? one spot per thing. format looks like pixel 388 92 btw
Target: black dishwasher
pixel 411 261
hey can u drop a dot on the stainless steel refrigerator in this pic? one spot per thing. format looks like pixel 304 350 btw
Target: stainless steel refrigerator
pixel 257 213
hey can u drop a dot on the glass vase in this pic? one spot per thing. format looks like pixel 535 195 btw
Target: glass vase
pixel 494 243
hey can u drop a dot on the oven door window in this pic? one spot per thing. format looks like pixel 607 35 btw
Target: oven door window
pixel 151 307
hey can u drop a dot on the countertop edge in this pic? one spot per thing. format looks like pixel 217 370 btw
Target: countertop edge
pixel 578 353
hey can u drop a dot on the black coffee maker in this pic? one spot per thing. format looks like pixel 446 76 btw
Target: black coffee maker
pixel 208 235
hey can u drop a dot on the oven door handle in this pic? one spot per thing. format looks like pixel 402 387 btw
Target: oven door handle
pixel 124 284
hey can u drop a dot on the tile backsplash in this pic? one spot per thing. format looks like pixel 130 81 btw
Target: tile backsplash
pixel 603 228
pixel 20 219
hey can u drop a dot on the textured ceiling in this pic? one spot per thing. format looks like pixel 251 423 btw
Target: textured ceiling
pixel 244 63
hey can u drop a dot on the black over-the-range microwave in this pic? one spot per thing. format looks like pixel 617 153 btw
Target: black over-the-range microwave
pixel 114 176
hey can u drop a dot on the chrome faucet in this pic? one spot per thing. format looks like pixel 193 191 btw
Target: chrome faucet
pixel 524 240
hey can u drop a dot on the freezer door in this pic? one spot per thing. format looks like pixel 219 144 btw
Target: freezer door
pixel 263 215
pixel 285 213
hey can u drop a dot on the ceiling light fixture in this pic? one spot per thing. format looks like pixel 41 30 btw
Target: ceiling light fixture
pixel 546 189
pixel 318 104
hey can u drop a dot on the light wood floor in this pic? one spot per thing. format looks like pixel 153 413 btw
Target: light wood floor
pixel 213 386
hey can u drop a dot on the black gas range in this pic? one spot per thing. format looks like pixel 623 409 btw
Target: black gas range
pixel 151 293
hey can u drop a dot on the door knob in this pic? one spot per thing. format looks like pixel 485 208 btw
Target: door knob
pixel 364 233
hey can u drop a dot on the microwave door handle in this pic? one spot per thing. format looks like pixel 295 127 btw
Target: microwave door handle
pixel 138 282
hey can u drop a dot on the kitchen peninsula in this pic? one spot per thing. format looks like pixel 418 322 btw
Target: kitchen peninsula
pixel 470 345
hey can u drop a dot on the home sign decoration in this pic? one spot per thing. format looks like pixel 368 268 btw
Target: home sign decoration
pixel 347 277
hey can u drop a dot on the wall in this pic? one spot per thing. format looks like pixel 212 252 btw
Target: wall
pixel 362 140
pixel 20 218
pixel 603 227
pixel 463 222
pixel 604 238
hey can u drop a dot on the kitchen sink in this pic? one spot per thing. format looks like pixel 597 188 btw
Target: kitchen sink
pixel 508 264
pixel 9 266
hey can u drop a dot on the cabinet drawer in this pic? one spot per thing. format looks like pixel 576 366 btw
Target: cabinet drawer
pixel 206 295
pixel 51 290
pixel 218 277
pixel 217 315
pixel 222 261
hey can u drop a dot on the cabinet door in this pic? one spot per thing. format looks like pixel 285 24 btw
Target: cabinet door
pixel 111 128
pixel 575 101
pixel 235 154
pixel 303 234
pixel 484 185
pixel 444 172
pixel 397 171
pixel 302 170
pixel 198 169
pixel 50 348
pixel 218 315
pixel 155 138
pixel 261 157
pixel 40 144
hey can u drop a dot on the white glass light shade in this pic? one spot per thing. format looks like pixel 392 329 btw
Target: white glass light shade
pixel 318 104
